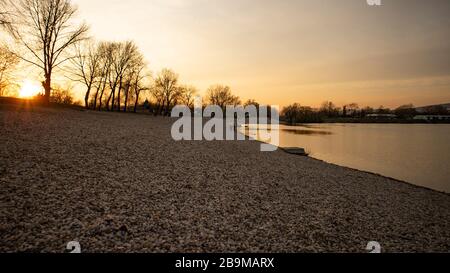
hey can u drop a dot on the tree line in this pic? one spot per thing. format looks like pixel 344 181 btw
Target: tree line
pixel 296 113
pixel 114 74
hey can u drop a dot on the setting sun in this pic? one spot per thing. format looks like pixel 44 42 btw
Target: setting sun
pixel 29 90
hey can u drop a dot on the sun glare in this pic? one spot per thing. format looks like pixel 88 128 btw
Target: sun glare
pixel 29 90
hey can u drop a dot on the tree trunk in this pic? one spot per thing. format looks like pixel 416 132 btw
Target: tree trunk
pixel 167 108
pixel 118 95
pixel 109 100
pixel 86 97
pixel 95 98
pixel 101 94
pixel 47 84
pixel 136 102
pixel 126 101
pixel 127 91
pixel 113 94
pixel 100 101
pixel 158 108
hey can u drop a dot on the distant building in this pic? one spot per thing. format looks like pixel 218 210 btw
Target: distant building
pixel 432 117
pixel 381 116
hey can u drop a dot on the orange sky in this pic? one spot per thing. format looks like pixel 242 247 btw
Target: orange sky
pixel 280 52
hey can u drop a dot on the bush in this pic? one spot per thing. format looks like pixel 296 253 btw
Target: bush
pixel 296 113
pixel 62 96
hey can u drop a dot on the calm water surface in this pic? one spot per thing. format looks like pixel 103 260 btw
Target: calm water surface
pixel 419 154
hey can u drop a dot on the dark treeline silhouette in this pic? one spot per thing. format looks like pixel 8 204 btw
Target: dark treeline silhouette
pixel 329 112
pixel 113 73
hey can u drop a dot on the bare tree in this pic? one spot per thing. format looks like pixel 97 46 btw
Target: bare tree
pixel 87 67
pixel 295 113
pixel 350 109
pixel 221 96
pixel 139 84
pixel 187 95
pixel 158 94
pixel 329 109
pixel 252 102
pixel 111 52
pixel 44 29
pixel 133 77
pixel 122 64
pixel 166 89
pixel 8 62
pixel 102 75
pixel 121 58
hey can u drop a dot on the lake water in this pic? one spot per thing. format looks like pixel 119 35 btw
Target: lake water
pixel 416 153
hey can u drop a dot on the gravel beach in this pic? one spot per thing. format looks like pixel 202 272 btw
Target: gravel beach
pixel 117 182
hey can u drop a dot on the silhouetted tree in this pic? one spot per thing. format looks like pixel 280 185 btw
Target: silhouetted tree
pixel 290 113
pixel 104 50
pixel 87 67
pixel 8 62
pixel 295 113
pixel 156 105
pixel 44 29
pixel 128 51
pixel 139 85
pixel 166 90
pixel 187 95
pixel 121 57
pixel 367 111
pixel 134 77
pixel 329 109
pixel 252 102
pixel 350 110
pixel 221 96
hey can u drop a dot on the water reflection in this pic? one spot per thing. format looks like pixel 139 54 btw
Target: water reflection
pixel 417 153
pixel 306 132
pixel 292 130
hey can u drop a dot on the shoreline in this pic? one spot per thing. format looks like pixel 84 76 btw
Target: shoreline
pixel 359 170
pixel 383 176
pixel 310 155
pixel 128 187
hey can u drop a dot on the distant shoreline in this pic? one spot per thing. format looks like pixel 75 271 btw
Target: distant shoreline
pixel 368 121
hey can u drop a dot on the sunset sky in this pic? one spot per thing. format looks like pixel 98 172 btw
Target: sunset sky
pixel 280 52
